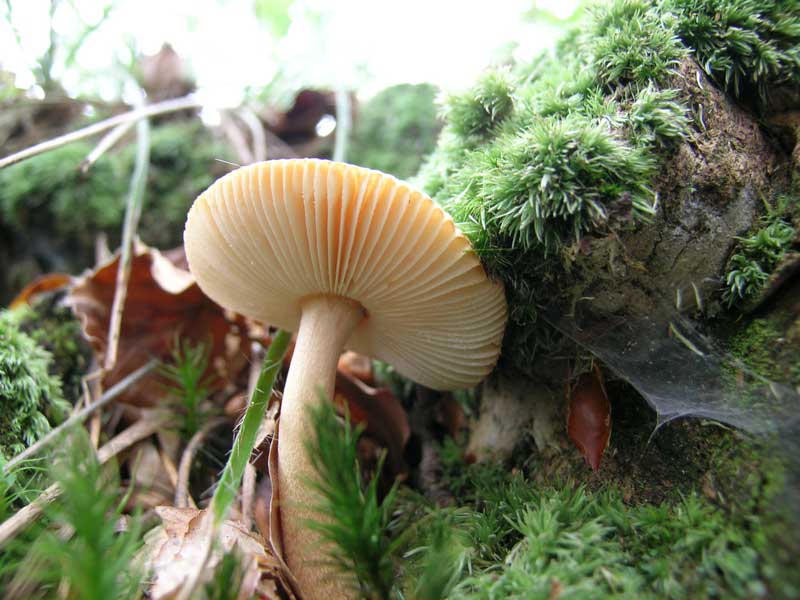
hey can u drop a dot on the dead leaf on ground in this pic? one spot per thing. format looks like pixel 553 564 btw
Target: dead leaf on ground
pixel 358 366
pixel 40 285
pixel 382 414
pixel 163 303
pixel 174 551
pixel 589 416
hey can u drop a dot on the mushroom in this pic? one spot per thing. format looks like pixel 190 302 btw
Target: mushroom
pixel 346 257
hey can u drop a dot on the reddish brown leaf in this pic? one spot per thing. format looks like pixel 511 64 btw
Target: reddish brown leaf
pixel 40 285
pixel 383 415
pixel 163 304
pixel 358 366
pixel 589 416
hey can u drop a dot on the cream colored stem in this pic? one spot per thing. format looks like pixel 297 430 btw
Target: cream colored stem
pixel 325 325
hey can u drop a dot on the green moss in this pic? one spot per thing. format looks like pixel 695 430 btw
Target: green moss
pixel 582 137
pixel 56 329
pixel 396 130
pixel 632 42
pixel 48 193
pixel 750 267
pixel 753 345
pixel 30 397
pixel 477 111
pixel 520 539
pixel 747 46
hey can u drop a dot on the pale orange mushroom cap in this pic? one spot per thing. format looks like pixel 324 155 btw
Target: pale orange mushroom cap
pixel 267 236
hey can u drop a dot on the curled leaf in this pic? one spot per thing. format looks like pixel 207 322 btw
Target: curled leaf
pixel 163 303
pixel 589 416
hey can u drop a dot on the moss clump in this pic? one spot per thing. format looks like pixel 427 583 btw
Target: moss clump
pixel 396 130
pixel 480 109
pixel 632 42
pixel 580 147
pixel 55 328
pixel 749 47
pixel 758 255
pixel 518 538
pixel 30 396
pixel 55 211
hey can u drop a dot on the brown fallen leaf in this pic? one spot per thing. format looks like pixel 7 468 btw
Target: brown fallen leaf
pixel 383 415
pixel 163 304
pixel 589 416
pixel 358 366
pixel 176 549
pixel 40 285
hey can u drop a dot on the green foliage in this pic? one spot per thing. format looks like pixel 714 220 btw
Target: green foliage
pixel 30 397
pixel 550 182
pixel 747 46
pixel 82 550
pixel 56 329
pixel 49 193
pixel 353 521
pixel 480 109
pixel 632 42
pixel 750 267
pixel 657 118
pixel 518 539
pixel 582 136
pixel 227 579
pixel 187 383
pixel 395 130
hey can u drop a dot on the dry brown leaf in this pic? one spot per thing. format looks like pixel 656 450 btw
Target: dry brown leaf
pixel 358 366
pixel 589 416
pixel 382 413
pixel 175 550
pixel 275 539
pixel 40 285
pixel 163 304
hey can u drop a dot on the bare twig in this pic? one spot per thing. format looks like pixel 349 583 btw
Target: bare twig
pixel 236 139
pixel 133 211
pixel 185 466
pixel 138 431
pixel 135 115
pixel 79 416
pixel 248 494
pixel 257 134
pixel 343 123
pixel 105 144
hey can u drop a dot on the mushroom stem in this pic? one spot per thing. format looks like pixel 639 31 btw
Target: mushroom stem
pixel 325 326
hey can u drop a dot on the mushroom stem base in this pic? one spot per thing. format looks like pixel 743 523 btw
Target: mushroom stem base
pixel 325 325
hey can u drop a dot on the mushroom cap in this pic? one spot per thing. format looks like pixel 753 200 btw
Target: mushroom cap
pixel 265 237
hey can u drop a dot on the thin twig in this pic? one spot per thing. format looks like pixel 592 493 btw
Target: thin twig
pixel 79 416
pixel 138 431
pixel 236 139
pixel 105 144
pixel 133 211
pixel 257 135
pixel 135 115
pixel 248 494
pixel 185 466
pixel 343 123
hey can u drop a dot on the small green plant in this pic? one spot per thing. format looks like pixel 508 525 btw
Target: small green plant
pixel 747 46
pixel 758 254
pixel 520 539
pixel 631 42
pixel 188 383
pixel 81 550
pixel 227 579
pixel 31 401
pixel 354 521
pixel 396 129
pixel 480 109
